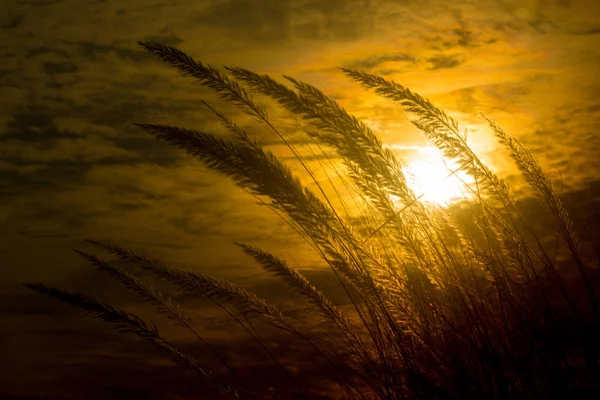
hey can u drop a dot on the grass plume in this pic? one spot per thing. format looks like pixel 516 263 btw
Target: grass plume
pixel 463 302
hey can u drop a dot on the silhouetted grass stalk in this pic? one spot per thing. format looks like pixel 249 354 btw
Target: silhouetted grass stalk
pixel 453 303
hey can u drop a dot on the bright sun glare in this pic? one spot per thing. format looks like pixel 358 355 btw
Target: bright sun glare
pixel 431 177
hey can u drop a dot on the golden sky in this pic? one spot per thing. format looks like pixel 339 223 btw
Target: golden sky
pixel 72 166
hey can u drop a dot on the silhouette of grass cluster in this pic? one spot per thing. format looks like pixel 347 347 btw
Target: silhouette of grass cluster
pixel 463 302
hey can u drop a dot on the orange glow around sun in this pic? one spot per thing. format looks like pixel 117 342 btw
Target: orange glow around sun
pixel 431 176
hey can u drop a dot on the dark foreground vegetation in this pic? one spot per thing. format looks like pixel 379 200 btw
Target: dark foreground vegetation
pixel 462 302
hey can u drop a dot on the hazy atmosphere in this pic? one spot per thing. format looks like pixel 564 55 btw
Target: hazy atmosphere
pixel 73 81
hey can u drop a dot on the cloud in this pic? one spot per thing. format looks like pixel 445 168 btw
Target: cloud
pixel 441 62
pixel 60 68
pixel 375 61
pixel 256 19
pixel 11 21
pixel 268 23
pixel 93 51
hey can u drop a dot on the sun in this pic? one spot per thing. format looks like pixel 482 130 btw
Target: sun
pixel 435 179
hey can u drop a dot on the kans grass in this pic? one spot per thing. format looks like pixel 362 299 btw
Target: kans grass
pixel 463 302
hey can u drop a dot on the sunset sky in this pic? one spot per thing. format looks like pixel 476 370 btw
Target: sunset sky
pixel 73 81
